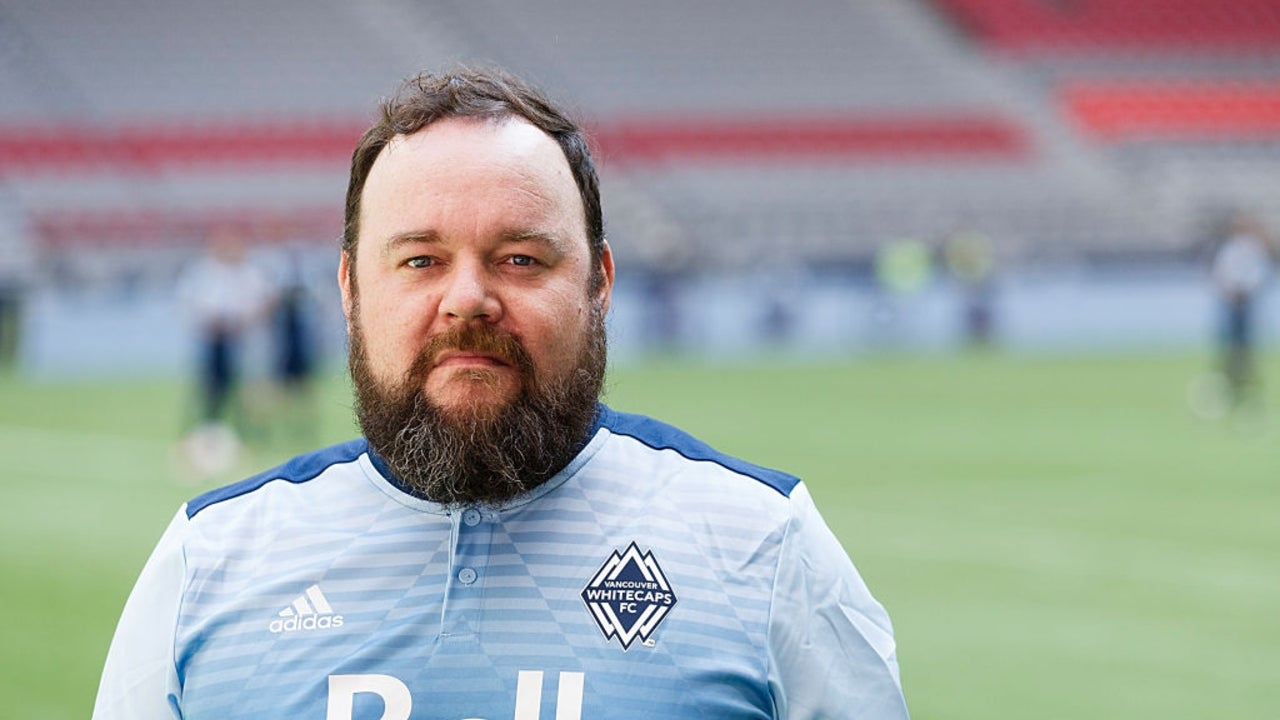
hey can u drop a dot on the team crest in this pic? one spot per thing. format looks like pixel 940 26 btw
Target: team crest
pixel 629 597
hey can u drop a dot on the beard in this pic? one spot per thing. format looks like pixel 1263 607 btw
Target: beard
pixel 480 454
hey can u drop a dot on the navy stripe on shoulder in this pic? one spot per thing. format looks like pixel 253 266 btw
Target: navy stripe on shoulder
pixel 661 436
pixel 298 470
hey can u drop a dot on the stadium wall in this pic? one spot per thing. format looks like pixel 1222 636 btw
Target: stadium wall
pixel 719 318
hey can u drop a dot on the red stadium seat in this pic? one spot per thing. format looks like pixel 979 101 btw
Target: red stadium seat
pixel 1128 111
pixel 1037 25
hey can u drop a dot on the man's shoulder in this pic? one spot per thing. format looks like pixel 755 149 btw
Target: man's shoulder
pixel 659 435
pixel 300 469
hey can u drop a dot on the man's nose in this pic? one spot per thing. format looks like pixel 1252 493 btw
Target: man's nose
pixel 469 294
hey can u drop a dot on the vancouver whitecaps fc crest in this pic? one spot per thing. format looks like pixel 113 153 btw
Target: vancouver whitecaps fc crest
pixel 629 597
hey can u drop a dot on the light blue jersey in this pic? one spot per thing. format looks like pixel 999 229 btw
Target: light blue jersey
pixel 652 578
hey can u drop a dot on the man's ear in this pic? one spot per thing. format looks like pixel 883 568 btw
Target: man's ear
pixel 605 291
pixel 347 284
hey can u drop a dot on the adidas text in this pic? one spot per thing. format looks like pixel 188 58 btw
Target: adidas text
pixel 309 611
pixel 309 622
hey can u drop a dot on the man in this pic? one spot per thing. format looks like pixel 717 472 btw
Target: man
pixel 1241 267
pixel 500 545
pixel 225 295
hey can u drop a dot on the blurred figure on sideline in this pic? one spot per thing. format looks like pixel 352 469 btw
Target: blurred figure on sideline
pixel 904 269
pixel 1241 267
pixel 224 294
pixel 294 345
pixel 970 259
pixel 17 271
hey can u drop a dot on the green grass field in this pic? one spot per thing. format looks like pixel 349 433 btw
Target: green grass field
pixel 1054 538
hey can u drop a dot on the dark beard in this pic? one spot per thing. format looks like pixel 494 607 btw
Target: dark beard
pixel 466 457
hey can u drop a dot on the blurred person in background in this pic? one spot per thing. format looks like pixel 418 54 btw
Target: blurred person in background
pixel 970 260
pixel 499 544
pixel 293 343
pixel 224 294
pixel 17 273
pixel 904 270
pixel 14 281
pixel 1241 267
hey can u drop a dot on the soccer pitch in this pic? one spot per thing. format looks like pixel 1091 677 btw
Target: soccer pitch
pixel 1053 537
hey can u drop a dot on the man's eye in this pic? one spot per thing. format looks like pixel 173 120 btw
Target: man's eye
pixel 523 261
pixel 419 262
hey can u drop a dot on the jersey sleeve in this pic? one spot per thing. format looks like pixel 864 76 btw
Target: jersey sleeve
pixel 139 679
pixel 831 647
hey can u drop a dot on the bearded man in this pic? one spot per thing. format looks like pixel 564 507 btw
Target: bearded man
pixel 498 544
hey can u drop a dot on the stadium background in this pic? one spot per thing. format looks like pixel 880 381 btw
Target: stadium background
pixel 1054 528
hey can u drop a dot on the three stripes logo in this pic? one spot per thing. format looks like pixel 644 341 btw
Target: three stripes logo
pixel 309 611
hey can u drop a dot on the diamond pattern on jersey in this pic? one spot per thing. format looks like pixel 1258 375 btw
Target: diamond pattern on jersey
pixel 385 562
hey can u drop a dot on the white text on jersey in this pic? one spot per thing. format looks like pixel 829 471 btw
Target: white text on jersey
pixel 398 701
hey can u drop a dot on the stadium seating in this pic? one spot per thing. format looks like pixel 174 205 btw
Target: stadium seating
pixel 832 137
pixel 78 149
pixel 1116 111
pixel 1178 98
pixel 825 128
pixel 1033 26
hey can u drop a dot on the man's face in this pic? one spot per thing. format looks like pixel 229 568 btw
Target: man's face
pixel 471 226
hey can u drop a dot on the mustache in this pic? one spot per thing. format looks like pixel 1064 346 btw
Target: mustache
pixel 472 337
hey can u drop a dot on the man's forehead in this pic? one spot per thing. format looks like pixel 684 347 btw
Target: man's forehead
pixel 510 151
pixel 506 136
pixel 491 167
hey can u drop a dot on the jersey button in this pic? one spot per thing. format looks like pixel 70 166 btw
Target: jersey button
pixel 471 517
pixel 466 576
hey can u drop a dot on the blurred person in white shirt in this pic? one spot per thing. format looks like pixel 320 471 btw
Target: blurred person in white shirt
pixel 1242 265
pixel 225 295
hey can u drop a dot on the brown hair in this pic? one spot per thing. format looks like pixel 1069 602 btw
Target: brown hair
pixel 475 93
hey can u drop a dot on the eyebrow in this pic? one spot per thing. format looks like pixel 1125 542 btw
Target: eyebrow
pixel 414 236
pixel 554 242
pixel 430 237
pixel 405 238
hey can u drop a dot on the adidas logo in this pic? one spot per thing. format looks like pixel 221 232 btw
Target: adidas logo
pixel 309 611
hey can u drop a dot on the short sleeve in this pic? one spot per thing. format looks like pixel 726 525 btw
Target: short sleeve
pixel 139 679
pixel 831 647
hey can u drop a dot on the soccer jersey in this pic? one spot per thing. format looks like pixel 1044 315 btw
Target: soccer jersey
pixel 651 578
